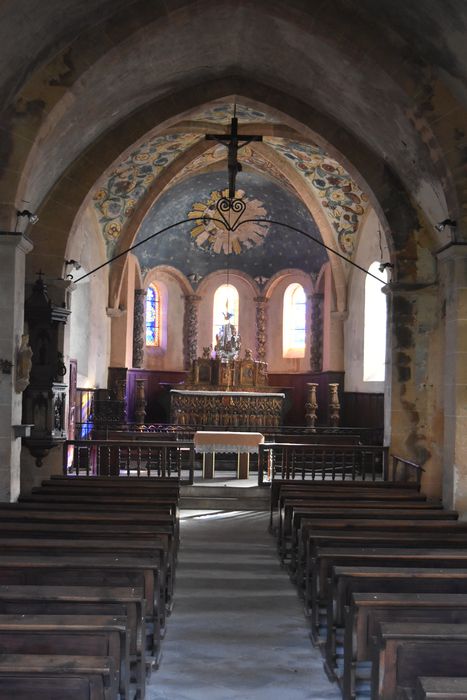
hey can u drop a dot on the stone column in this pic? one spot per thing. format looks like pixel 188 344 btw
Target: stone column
pixel 139 328
pixel 13 250
pixel 414 428
pixel 191 329
pixel 316 332
pixel 453 272
pixel 261 328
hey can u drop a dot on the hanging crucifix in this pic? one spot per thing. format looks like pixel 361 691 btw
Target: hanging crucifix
pixel 233 143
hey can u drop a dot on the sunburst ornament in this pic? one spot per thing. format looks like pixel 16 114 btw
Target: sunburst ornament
pixel 213 236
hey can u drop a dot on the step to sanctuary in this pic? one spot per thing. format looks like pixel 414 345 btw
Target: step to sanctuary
pixel 228 498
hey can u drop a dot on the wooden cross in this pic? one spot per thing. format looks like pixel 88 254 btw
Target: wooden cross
pixel 233 143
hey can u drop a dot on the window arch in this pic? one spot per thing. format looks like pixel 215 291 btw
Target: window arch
pixel 225 299
pixel 374 335
pixel 153 316
pixel 294 321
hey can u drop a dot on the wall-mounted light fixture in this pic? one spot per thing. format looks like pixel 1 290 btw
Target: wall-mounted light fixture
pixel 33 218
pixel 447 222
pixel 75 263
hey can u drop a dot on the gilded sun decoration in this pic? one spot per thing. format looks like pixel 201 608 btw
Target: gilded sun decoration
pixel 211 235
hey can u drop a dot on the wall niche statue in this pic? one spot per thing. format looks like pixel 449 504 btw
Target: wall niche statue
pixel 23 364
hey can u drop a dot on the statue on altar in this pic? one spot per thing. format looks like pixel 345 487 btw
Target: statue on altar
pixel 228 342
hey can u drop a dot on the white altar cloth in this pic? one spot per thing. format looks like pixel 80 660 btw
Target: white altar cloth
pixel 225 441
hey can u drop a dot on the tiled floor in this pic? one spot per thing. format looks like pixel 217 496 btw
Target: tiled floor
pixel 237 631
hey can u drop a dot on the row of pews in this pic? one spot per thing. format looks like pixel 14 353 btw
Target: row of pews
pixel 87 573
pixel 383 576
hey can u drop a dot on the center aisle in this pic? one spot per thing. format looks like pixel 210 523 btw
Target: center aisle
pixel 237 630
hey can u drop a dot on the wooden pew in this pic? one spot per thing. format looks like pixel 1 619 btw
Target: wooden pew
pixel 127 602
pixel 326 557
pixel 442 688
pixel 70 635
pixel 37 674
pixel 284 486
pixel 346 580
pixel 71 569
pixel 295 514
pixel 378 519
pixel 404 651
pixel 364 524
pixel 368 610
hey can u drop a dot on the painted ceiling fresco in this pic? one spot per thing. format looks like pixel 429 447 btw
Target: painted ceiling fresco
pixel 258 249
pixel 223 113
pixel 343 201
pixel 117 198
pixel 247 156
pixel 124 186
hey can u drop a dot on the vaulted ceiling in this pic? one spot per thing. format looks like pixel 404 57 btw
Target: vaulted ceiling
pixel 374 91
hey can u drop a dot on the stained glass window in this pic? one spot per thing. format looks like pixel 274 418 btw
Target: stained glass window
pixel 225 301
pixel 153 316
pixel 294 321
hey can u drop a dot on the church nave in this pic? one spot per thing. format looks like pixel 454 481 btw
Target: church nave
pixel 237 629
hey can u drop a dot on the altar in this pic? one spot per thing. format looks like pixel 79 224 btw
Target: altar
pixel 242 444
pixel 226 409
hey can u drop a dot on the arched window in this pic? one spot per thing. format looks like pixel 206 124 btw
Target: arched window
pixel 225 300
pixel 374 336
pixel 153 316
pixel 294 321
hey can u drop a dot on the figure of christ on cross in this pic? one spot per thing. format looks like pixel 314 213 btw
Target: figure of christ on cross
pixel 233 142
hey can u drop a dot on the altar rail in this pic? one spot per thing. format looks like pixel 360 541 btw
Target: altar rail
pixel 154 458
pixel 333 462
pixel 169 431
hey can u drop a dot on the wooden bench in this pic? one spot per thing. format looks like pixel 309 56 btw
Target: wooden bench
pixel 26 676
pixel 70 635
pixel 404 651
pixel 120 602
pixel 71 569
pixel 282 487
pixel 294 515
pixel 317 592
pixel 443 688
pixel 367 610
pixel 378 519
pixel 346 580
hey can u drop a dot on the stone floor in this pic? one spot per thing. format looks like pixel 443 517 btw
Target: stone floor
pixel 237 631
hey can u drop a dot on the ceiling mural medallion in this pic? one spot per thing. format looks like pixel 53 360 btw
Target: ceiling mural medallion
pixel 212 236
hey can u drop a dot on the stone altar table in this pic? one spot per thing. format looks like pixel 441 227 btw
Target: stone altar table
pixel 208 442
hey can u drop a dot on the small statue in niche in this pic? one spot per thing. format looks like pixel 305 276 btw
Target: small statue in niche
pixel 23 364
pixel 61 369
pixel 207 352
pixel 248 354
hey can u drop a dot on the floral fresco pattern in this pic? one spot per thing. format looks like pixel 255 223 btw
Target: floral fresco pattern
pixel 223 113
pixel 341 198
pixel 117 199
pixel 247 156
pixel 210 234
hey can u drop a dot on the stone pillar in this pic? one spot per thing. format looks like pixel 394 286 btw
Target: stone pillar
pixel 261 328
pixel 191 329
pixel 453 272
pixel 13 250
pixel 139 328
pixel 414 429
pixel 316 331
